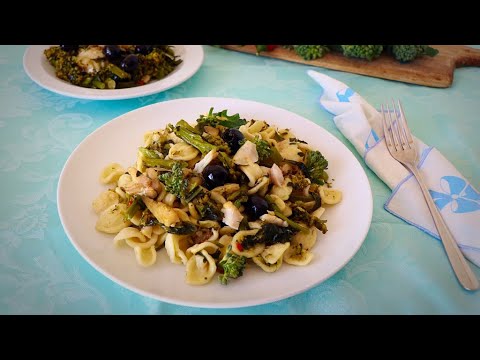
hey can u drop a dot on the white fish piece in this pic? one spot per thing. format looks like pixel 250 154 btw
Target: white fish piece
pixel 247 154
pixel 231 215
pixel 202 164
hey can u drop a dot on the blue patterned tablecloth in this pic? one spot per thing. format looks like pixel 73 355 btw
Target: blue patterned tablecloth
pixel 398 270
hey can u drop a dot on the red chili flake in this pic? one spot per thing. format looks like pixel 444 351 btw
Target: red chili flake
pixel 239 247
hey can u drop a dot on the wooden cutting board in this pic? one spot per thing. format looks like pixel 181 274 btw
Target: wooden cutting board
pixel 428 71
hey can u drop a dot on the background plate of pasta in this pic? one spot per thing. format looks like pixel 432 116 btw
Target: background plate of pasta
pixel 214 202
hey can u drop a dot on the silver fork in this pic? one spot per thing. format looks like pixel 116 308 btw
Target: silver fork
pixel 402 148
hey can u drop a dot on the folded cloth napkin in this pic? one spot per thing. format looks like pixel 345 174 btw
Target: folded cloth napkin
pixel 455 197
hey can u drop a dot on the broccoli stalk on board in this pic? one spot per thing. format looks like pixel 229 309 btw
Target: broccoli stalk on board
pixel 402 53
pixel 367 52
pixel 407 53
pixel 233 266
pixel 311 52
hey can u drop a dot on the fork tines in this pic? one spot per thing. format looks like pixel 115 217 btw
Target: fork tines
pixel 397 133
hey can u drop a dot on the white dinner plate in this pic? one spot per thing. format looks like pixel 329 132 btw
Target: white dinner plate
pixel 39 70
pixel 118 141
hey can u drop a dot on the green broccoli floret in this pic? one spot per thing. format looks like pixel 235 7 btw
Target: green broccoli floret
pixel 368 52
pixel 174 181
pixel 233 266
pixel 311 52
pixel 316 164
pixel 220 118
pixel 407 53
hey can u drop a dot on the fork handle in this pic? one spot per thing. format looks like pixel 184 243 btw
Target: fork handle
pixel 459 264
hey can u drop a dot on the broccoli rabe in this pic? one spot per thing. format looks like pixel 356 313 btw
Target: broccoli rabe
pixel 152 159
pixel 208 211
pixel 193 138
pixel 301 215
pixel 181 228
pixel 316 164
pixel 220 118
pixel 294 225
pixel 311 52
pixel 268 234
pixel 367 52
pixel 233 266
pixel 407 53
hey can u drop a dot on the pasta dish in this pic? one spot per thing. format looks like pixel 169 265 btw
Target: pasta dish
pixel 219 196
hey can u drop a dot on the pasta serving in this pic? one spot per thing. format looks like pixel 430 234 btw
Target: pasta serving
pixel 217 196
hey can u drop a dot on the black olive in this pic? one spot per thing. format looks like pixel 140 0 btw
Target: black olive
pixel 69 47
pixel 232 137
pixel 143 49
pixel 112 52
pixel 214 175
pixel 129 63
pixel 255 207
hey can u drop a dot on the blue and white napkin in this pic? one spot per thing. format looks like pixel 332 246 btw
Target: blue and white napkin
pixel 457 200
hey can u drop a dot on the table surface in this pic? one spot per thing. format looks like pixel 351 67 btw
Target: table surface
pixel 398 270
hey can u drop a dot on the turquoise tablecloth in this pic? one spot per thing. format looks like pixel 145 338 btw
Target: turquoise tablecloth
pixel 398 270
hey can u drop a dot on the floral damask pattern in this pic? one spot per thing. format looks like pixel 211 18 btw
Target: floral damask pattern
pixel 399 269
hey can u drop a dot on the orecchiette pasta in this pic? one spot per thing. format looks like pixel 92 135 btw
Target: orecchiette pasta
pixel 111 173
pixel 265 266
pixel 176 246
pixel 145 257
pixel 104 201
pixel 111 220
pixel 297 256
pixel 129 233
pixel 219 194
pixel 200 268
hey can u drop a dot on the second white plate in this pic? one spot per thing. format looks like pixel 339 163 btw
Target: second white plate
pixel 40 71
pixel 118 141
